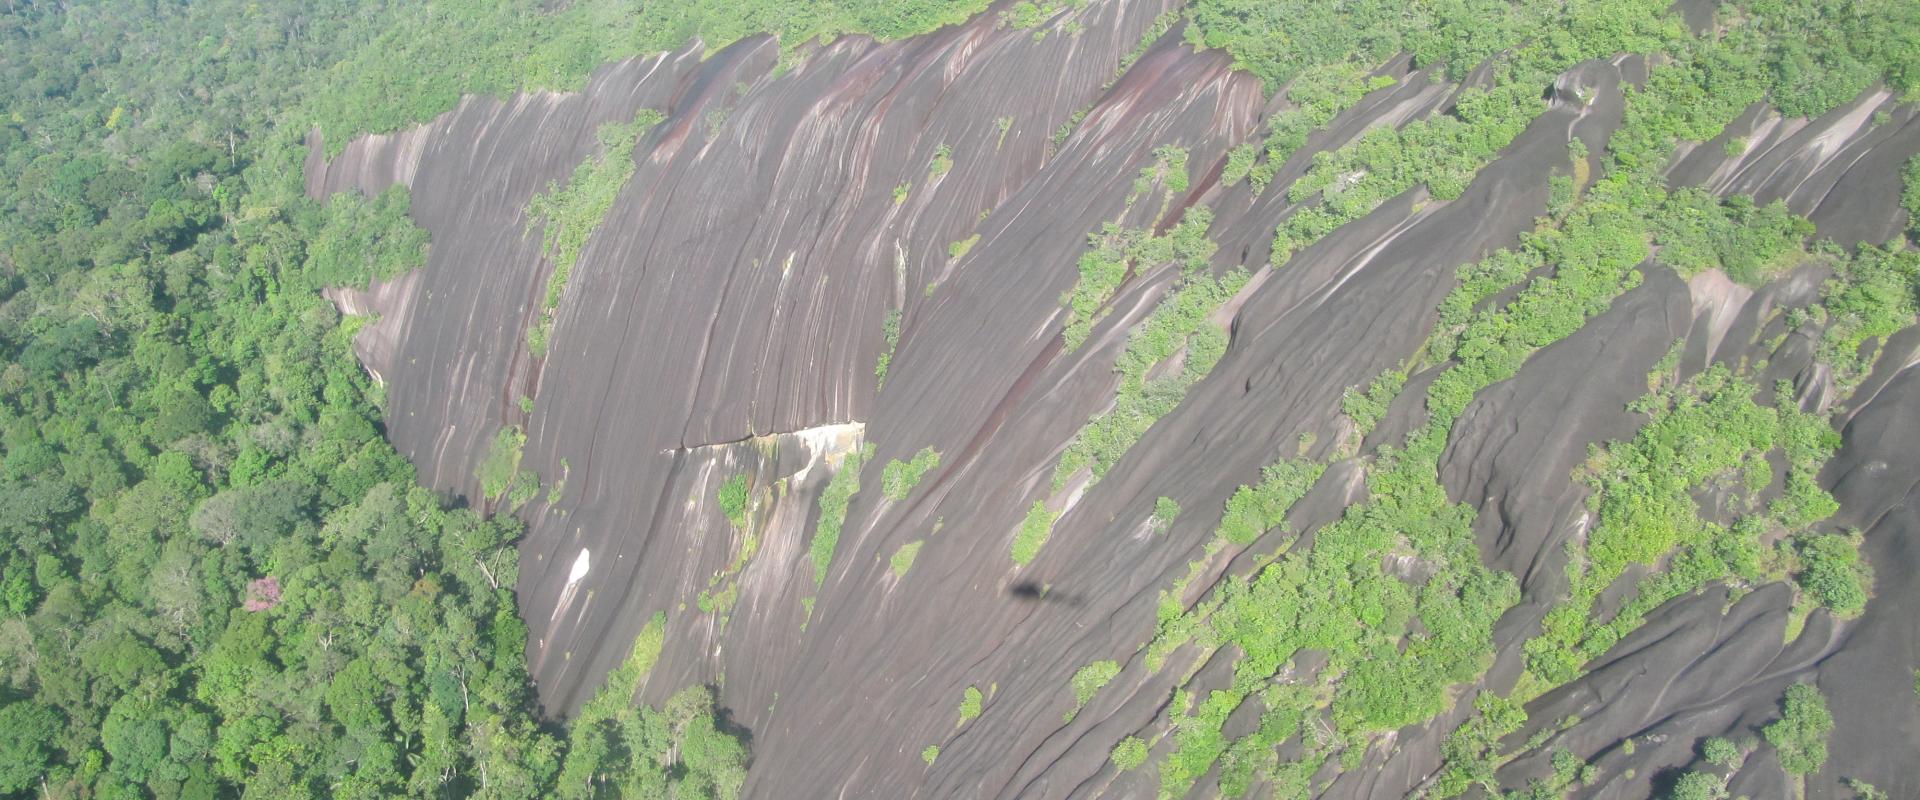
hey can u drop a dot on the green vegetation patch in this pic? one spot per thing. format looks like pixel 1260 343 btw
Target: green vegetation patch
pixel 1700 432
pixel 1169 169
pixel 358 238
pixel 1119 252
pixel 1720 751
pixel 1832 572
pixel 1165 511
pixel 732 497
pixel 1280 40
pixel 1198 742
pixel 890 333
pixel 941 163
pixel 1386 678
pixel 719 602
pixel 1178 326
pixel 419 60
pixel 1691 99
pixel 1699 786
pixel 1033 532
pixel 1910 196
pixel 899 477
pixel 1870 297
pixel 1239 164
pixel 1799 736
pixel 1088 681
pixel 570 214
pixel 1032 13
pixel 833 510
pixel 497 470
pixel 1129 754
pixel 1316 97
pixel 1368 407
pixel 678 750
pixel 970 702
pixel 1444 152
pixel 524 488
pixel 1338 597
pixel 903 558
pixel 1322 54
pixel 1750 243
pixel 617 692
pixel 1254 510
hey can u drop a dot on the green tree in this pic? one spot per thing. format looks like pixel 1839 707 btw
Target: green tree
pixel 27 731
pixel 1799 737
pixel 1832 572
pixel 732 497
pixel 1720 752
pixel 1699 786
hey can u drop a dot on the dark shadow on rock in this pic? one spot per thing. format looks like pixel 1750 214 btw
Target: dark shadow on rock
pixel 1665 779
pixel 724 720
pixel 1035 592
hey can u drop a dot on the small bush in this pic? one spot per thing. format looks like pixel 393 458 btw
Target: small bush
pixel 1699 786
pixel 1720 751
pixel 733 500
pixel 1169 168
pixel 899 477
pixel 1129 754
pixel 942 162
pixel 525 487
pixel 903 558
pixel 498 470
pixel 1164 513
pixel 970 703
pixel 1865 791
pixel 1089 681
pixel 1910 198
pixel 1367 408
pixel 1239 163
pixel 890 332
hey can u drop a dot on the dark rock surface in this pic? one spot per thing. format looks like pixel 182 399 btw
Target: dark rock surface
pixel 726 318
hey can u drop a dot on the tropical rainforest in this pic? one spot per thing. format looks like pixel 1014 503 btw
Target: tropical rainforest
pixel 960 398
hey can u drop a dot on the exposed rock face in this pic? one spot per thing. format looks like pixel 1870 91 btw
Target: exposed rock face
pixel 727 316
